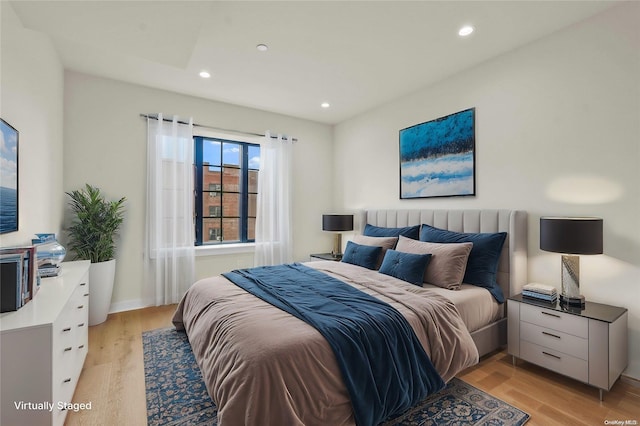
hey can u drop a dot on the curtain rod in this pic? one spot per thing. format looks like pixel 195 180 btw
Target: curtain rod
pixel 219 128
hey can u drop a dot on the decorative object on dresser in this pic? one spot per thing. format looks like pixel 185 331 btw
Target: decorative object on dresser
pixel 42 349
pixel 588 344
pixel 571 236
pixel 8 178
pixel 337 223
pixel 92 235
pixel 437 158
pixel 50 254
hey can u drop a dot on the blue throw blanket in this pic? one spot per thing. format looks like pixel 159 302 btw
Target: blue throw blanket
pixel 384 367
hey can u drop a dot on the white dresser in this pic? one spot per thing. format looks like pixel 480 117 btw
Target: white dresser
pixel 42 349
pixel 587 344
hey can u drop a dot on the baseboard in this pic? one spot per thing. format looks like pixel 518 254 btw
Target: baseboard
pixel 127 305
pixel 630 381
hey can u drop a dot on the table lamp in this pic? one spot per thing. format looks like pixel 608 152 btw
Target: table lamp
pixel 337 223
pixel 571 236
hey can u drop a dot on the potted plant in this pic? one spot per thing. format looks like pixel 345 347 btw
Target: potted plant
pixel 92 237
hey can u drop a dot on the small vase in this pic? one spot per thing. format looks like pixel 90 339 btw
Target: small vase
pixel 48 250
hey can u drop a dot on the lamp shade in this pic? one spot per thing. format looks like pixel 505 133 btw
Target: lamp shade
pixel 571 235
pixel 337 222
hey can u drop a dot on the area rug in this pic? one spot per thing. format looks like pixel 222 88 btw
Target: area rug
pixel 176 394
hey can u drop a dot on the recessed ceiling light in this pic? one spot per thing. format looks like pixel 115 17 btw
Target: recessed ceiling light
pixel 262 47
pixel 325 105
pixel 465 31
pixel 205 74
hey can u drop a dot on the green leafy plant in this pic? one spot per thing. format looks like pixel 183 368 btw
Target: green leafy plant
pixel 95 225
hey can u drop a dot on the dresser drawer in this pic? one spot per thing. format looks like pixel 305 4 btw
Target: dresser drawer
pixel 555 360
pixel 557 340
pixel 547 318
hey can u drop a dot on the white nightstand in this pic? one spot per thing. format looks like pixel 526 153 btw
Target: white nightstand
pixel 589 345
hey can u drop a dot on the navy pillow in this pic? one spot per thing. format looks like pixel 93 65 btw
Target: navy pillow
pixel 408 267
pixel 377 231
pixel 361 255
pixel 482 265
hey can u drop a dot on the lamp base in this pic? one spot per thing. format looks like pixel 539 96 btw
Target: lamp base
pixel 577 301
pixel 337 246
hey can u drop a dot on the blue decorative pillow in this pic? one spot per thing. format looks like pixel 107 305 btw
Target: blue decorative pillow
pixel 377 231
pixel 482 265
pixel 408 267
pixel 361 255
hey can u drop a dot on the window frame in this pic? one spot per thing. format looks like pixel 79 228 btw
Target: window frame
pixel 243 191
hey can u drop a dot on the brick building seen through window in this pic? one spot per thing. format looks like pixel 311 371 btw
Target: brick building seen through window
pixel 227 191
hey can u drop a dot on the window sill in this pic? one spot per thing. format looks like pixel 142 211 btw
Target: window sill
pixel 212 250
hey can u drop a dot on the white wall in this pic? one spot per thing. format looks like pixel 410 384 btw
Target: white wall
pixel 31 99
pixel 105 145
pixel 557 133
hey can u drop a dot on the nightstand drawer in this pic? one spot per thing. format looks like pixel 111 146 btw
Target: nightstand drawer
pixel 548 318
pixel 557 340
pixel 555 360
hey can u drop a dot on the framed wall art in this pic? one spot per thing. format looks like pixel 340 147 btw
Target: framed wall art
pixel 437 158
pixel 8 178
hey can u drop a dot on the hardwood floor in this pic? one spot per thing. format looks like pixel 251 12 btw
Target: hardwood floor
pixel 113 381
pixel 113 375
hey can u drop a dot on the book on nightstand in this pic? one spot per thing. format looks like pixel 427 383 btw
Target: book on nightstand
pixel 540 292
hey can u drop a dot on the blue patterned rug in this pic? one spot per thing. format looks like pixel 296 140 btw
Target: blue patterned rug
pixel 176 394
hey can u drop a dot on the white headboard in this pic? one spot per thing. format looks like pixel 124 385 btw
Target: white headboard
pixel 512 269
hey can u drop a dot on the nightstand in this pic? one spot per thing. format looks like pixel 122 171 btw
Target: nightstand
pixel 589 345
pixel 325 256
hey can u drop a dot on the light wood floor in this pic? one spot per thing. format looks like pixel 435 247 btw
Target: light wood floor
pixel 113 381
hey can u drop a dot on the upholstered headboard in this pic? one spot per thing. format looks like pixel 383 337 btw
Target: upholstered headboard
pixel 512 269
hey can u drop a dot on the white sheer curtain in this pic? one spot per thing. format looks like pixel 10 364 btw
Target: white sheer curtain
pixel 170 231
pixel 274 243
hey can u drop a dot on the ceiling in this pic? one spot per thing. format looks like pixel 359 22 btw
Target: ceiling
pixel 355 55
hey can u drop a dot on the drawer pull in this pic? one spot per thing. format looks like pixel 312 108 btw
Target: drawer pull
pixel 66 380
pixel 551 335
pixel 66 329
pixel 68 349
pixel 81 306
pixel 81 346
pixel 83 284
pixel 81 325
pixel 551 315
pixel 551 355
pixel 86 295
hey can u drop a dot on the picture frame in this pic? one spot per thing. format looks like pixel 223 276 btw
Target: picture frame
pixel 437 157
pixel 9 136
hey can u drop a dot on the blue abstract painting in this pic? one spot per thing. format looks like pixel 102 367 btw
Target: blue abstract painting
pixel 8 178
pixel 437 158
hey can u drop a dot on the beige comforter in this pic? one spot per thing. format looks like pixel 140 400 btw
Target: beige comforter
pixel 263 366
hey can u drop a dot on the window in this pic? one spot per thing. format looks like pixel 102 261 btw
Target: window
pixel 226 190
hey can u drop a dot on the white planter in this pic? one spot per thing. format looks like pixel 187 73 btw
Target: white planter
pixel 101 277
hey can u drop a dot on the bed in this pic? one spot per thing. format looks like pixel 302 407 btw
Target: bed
pixel 261 365
pixel 512 266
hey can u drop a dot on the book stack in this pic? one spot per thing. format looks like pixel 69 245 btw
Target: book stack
pixel 19 280
pixel 541 292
